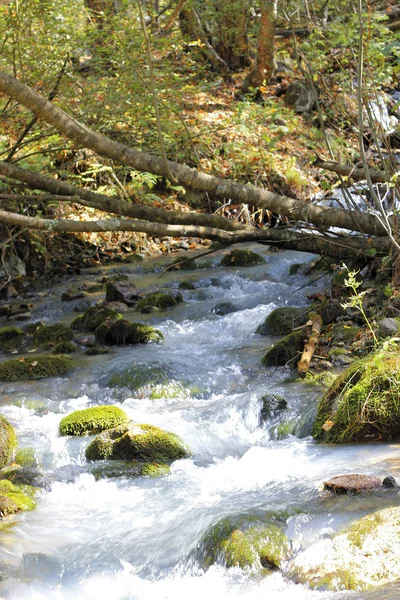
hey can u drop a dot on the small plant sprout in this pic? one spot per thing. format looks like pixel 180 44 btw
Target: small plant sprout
pixel 356 300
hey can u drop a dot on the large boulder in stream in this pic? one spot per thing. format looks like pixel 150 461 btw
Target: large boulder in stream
pixel 119 332
pixel 122 291
pixel 92 420
pixel 35 367
pixel 241 258
pixel 46 336
pixel 365 555
pixel 11 339
pixel 246 544
pixel 8 443
pixel 137 442
pixel 159 301
pixel 287 350
pixel 93 318
pixel 363 404
pixel 282 321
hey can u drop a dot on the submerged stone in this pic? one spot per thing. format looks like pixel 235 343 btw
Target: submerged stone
pixel 154 469
pixel 138 376
pixel 137 442
pixel 271 405
pixel 363 402
pixel 26 457
pixel 241 258
pixel 158 300
pixel 224 308
pixel 122 332
pixel 92 420
pixel 282 321
pixel 8 442
pixel 35 367
pixel 287 350
pixel 365 555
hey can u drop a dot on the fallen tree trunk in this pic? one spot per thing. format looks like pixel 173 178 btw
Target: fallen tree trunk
pixel 356 174
pixel 113 204
pixel 334 246
pixel 310 346
pixel 191 178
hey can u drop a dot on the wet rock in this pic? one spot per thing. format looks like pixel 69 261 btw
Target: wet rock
pixel 272 405
pixel 26 457
pixel 14 499
pixel 138 442
pixel 93 318
pixel 158 300
pixel 388 327
pixel 94 420
pixel 241 258
pixel 139 375
pixel 389 482
pixel 122 332
pixel 13 265
pixel 35 367
pixel 20 317
pixel 187 285
pixel 154 469
pixel 71 295
pixel 300 96
pixel 45 336
pixel 224 308
pixel 122 291
pixel 96 350
pixel 365 555
pixel 118 306
pixel 353 484
pixel 27 476
pixel 11 339
pixel 245 544
pixel 362 404
pixel 8 442
pixel 282 321
pixel 287 350
pixel 64 348
pixel 345 331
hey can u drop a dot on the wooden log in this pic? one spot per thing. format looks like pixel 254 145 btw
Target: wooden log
pixel 310 346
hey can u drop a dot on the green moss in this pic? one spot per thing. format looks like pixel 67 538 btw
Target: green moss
pixel 93 318
pixel 282 321
pixel 64 348
pixel 10 338
pixel 325 378
pixel 15 498
pixel 287 350
pixel 344 331
pixel 158 300
pixel 34 367
pixel 172 389
pixel 95 288
pixel 122 331
pixel 96 350
pixel 137 442
pixel 359 531
pixel 187 285
pixel 250 545
pixel 363 403
pixel 334 352
pixel 8 443
pixel 26 457
pixel 285 429
pixel 138 376
pixel 241 258
pixel 92 420
pixel 154 469
pixel 52 334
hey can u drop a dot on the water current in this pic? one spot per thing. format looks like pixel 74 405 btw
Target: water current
pixel 138 538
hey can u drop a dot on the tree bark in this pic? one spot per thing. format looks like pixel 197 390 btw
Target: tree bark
pixel 356 174
pixel 320 216
pixel 264 65
pixel 309 348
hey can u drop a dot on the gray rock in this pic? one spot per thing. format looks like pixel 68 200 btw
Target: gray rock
pixel 224 308
pixel 122 291
pixel 300 96
pixel 388 327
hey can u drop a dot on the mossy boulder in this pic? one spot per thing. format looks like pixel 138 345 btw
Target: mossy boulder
pixel 15 498
pixel 246 545
pixel 154 469
pixel 137 442
pixel 45 336
pixel 160 300
pixel 287 350
pixel 35 367
pixel 241 258
pixel 92 420
pixel 224 308
pixel 26 457
pixel 282 321
pixel 365 555
pixel 186 284
pixel 122 332
pixel 363 404
pixel 64 348
pixel 8 443
pixel 139 375
pixel 271 406
pixel 10 339
pixel 93 318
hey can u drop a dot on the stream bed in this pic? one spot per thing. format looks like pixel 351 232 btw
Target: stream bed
pixel 139 538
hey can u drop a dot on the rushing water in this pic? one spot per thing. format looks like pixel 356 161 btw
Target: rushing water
pixel 138 538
